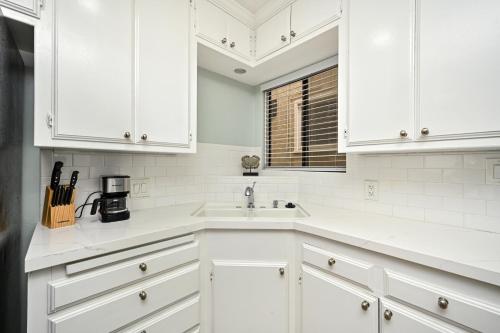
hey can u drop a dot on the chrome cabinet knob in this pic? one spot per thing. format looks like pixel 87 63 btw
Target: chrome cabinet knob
pixel 425 131
pixel 143 295
pixel 143 267
pixel 282 271
pixel 403 133
pixel 387 314
pixel 283 38
pixel 292 33
pixel 224 40
pixel 232 45
pixel 365 305
pixel 126 135
pixel 443 303
pixel 331 262
pixel 144 137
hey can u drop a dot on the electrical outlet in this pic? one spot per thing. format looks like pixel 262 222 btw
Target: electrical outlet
pixel 371 190
pixel 140 187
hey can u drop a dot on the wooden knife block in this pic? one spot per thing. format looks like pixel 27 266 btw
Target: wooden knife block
pixel 57 216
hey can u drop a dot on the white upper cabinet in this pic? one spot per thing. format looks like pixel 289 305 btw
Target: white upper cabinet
pixel 94 70
pixel 211 23
pixel 421 75
pixel 380 82
pixel 250 297
pixel 239 37
pixel 459 71
pixel 116 75
pixel 163 76
pixel 30 7
pixel 328 302
pixel 222 29
pixel 273 34
pixel 309 15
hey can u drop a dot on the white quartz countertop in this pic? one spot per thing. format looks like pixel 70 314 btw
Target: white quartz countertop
pixel 473 254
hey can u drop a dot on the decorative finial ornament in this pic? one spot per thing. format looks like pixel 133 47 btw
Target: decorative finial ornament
pixel 249 163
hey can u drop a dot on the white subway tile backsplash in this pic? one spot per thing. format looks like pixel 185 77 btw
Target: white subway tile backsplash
pixel 444 190
pixel 425 175
pixel 444 161
pixel 444 217
pixel 464 176
pixel 493 208
pixel 436 188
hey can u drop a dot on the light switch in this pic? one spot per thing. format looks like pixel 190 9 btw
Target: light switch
pixel 140 187
pixel 496 172
pixel 493 171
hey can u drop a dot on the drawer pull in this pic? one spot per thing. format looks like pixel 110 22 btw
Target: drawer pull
pixel 143 267
pixel 443 303
pixel 143 295
pixel 365 305
pixel 282 271
pixel 387 314
pixel 331 262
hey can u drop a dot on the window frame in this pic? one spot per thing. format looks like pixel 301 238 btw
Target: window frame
pixel 285 80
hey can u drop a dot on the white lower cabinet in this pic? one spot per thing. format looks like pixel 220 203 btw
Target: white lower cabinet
pixel 249 297
pixel 330 303
pixel 397 318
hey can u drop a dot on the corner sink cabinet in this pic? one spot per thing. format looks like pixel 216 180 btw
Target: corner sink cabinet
pixel 254 280
pixel 116 75
pixel 420 64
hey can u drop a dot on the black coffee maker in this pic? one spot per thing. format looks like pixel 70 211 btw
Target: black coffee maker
pixel 113 201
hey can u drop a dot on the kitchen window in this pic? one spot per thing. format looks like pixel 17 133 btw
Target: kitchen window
pixel 301 124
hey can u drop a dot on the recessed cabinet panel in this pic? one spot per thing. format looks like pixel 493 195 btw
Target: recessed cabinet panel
pixel 396 318
pixel 329 303
pixel 309 15
pixel 249 297
pixel 94 69
pixel 380 69
pixel 273 34
pixel 239 37
pixel 211 23
pixel 163 53
pixel 459 68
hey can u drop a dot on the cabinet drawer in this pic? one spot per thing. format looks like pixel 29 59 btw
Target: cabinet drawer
pixel 177 319
pixel 450 304
pixel 352 269
pixel 92 283
pixel 124 306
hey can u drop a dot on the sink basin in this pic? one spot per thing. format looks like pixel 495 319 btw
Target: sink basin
pixel 227 211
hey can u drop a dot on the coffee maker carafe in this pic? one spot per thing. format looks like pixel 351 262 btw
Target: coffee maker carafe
pixel 113 201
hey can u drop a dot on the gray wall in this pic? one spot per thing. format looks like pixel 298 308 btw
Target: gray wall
pixel 226 111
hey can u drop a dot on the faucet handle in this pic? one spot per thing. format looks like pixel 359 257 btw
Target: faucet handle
pixel 253 185
pixel 275 203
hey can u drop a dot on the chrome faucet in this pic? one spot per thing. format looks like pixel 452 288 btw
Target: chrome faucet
pixel 250 197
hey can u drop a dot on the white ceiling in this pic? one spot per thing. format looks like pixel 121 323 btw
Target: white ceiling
pixel 253 5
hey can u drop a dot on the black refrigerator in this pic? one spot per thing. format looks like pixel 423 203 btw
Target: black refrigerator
pixel 19 174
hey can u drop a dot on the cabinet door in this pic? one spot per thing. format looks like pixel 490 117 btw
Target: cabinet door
pixel 94 69
pixel 249 297
pixel 328 302
pixel 380 69
pixel 459 71
pixel 239 37
pixel 309 15
pixel 30 7
pixel 273 34
pixel 396 318
pixel 163 72
pixel 211 23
